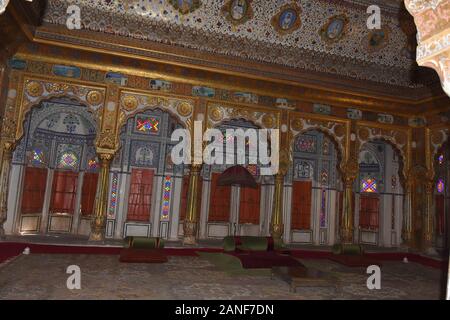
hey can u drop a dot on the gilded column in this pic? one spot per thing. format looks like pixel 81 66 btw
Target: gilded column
pixel 101 205
pixel 190 226
pixel 6 156
pixel 427 236
pixel 347 222
pixel 407 229
pixel 276 226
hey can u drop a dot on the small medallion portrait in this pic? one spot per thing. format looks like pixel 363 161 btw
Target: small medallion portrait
pixel 288 19
pixel 334 29
pixel 377 39
pixel 238 11
pixel 185 6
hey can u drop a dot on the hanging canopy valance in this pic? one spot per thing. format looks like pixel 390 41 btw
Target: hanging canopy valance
pixel 237 176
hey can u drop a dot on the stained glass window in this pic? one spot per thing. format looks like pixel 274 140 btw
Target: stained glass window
pixel 440 186
pixel 37 157
pixel 368 185
pixel 113 199
pixel 306 144
pixel 92 164
pixel 68 161
pixel 441 159
pixel 166 198
pixel 145 124
pixel 323 213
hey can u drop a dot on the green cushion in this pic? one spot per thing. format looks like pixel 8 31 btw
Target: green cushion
pixel 350 249
pixel 253 243
pixel 144 242
pixel 228 244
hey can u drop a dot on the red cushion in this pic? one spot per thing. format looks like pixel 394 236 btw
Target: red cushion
pixel 142 256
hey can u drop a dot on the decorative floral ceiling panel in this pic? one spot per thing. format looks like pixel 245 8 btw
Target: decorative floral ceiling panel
pixel 299 34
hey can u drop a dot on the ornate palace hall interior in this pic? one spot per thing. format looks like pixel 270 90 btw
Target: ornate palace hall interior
pixel 92 92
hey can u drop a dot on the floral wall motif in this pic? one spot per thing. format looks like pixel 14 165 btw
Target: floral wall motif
pixel 37 91
pixel 399 138
pixel 133 103
pixel 218 113
pixel 334 129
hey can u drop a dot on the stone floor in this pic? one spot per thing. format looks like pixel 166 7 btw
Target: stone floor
pixel 43 276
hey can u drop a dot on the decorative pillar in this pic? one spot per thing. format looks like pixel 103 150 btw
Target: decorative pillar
pixel 101 204
pixel 6 157
pixel 432 18
pixel 407 229
pixel 427 236
pixel 347 211
pixel 276 225
pixel 190 225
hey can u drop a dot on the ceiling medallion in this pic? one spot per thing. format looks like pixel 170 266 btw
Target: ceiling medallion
pixel 94 97
pixel 238 11
pixel 3 5
pixel 377 39
pixel 185 6
pixel 288 19
pixel 334 29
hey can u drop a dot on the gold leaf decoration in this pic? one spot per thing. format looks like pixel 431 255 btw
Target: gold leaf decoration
pixel 130 103
pixel 34 89
pixel 216 114
pixel 184 109
pixel 94 97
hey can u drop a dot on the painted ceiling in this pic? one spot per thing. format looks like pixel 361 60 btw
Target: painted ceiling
pixel 323 36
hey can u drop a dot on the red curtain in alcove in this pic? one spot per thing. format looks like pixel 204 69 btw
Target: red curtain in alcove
pixel 184 195
pixel 33 190
pixel 88 193
pixel 369 211
pixel 440 210
pixel 249 205
pixel 301 205
pixel 140 196
pixel 219 207
pixel 64 192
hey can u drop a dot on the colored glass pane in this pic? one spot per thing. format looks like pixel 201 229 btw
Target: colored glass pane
pixel 368 185
pixel 166 198
pixel 68 160
pixel 113 199
pixel 37 157
pixel 440 186
pixel 147 124
pixel 92 164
